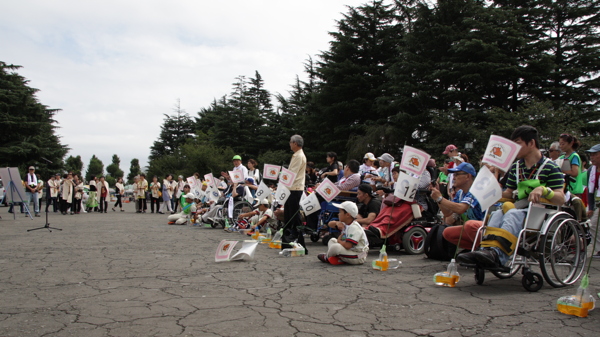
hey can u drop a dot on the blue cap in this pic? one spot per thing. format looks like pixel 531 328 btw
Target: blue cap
pixel 465 167
pixel 250 180
pixel 594 149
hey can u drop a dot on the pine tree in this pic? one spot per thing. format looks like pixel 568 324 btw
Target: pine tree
pixel 28 134
pixel 74 164
pixel 114 171
pixel 95 168
pixel 175 131
pixel 134 170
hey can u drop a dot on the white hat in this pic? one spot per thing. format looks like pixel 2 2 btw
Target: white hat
pixel 349 207
pixel 265 201
pixel 369 156
pixel 190 196
pixel 386 157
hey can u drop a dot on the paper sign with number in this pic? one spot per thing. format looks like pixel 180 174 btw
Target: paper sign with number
pixel 328 190
pixel 414 160
pixel 236 176
pixel 195 186
pixel 262 192
pixel 282 194
pixel 271 171
pixel 310 204
pixel 500 152
pixel 212 193
pixel 406 187
pixel 287 177
pixel 485 188
pixel 210 180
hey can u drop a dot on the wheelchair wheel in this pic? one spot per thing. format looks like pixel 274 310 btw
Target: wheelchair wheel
pixel 563 255
pixel 513 270
pixel 532 281
pixel 413 241
pixel 239 207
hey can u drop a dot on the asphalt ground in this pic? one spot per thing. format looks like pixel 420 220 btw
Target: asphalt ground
pixel 127 274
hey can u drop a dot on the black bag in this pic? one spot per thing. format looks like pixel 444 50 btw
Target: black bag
pixel 438 248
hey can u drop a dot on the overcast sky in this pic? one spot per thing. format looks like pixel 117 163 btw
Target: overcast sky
pixel 115 67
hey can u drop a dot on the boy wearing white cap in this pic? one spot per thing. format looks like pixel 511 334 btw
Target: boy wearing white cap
pixel 260 218
pixel 187 211
pixel 351 246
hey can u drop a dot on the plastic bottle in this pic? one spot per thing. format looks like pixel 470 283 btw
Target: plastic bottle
pixel 383 263
pixel 267 237
pixel 226 223
pixel 297 250
pixel 276 241
pixel 579 304
pixel 448 278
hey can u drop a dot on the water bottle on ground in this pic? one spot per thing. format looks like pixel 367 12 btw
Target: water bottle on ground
pixel 448 278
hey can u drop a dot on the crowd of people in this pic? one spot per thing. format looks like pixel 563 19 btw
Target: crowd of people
pixel 561 178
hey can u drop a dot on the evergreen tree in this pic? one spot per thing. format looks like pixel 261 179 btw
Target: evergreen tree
pixel 28 127
pixel 74 164
pixel 95 168
pixel 175 131
pixel 134 170
pixel 114 171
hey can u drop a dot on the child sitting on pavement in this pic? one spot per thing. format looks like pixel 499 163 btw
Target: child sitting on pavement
pixel 259 219
pixel 188 211
pixel 351 246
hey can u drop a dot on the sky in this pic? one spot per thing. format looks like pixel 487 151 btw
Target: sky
pixel 115 68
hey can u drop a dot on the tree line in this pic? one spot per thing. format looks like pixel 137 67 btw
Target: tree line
pixel 408 72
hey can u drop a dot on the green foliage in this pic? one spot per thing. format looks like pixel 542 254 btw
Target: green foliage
pixel 28 131
pixel 114 171
pixel 278 157
pixel 74 164
pixel 134 170
pixel 95 168
pixel 175 131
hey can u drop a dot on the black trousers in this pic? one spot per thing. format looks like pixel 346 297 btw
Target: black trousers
pixel 154 201
pixel 54 202
pixel 119 202
pixel 292 220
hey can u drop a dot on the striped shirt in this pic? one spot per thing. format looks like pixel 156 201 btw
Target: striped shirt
pixel 551 176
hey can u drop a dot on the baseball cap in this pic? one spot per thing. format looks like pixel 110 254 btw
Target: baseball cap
pixel 369 156
pixel 265 201
pixel 365 188
pixel 250 180
pixel 594 149
pixel 236 157
pixel 386 157
pixel 464 167
pixel 349 207
pixel 190 196
pixel 449 149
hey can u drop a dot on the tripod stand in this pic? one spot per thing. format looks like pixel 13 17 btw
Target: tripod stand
pixel 46 226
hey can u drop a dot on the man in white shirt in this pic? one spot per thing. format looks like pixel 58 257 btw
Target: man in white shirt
pixel 31 191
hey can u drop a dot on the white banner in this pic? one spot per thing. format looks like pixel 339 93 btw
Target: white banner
pixel 328 190
pixel 236 176
pixel 287 177
pixel 414 160
pixel 271 171
pixel 485 188
pixel 195 186
pixel 406 186
pixel 310 204
pixel 263 191
pixel 212 193
pixel 282 194
pixel 248 195
pixel 500 152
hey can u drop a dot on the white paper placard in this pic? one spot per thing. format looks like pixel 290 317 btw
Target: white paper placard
pixel 414 160
pixel 287 177
pixel 310 204
pixel 485 188
pixel 500 152
pixel 328 190
pixel 236 176
pixel 263 191
pixel 271 172
pixel 210 179
pixel 406 186
pixel 282 194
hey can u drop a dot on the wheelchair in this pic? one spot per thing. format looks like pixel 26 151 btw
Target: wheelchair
pixel 551 239
pixel 239 205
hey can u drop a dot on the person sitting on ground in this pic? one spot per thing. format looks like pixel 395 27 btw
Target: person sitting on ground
pixel 259 219
pixel 351 177
pixel 462 208
pixel 531 178
pixel 331 171
pixel 351 246
pixel 188 211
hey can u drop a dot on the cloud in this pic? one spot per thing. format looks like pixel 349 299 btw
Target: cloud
pixel 115 67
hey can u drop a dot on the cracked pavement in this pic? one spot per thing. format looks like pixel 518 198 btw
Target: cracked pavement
pixel 126 274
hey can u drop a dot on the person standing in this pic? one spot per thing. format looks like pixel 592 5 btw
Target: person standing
pixel 31 191
pixel 92 202
pixel 594 194
pixel 78 185
pixel 52 194
pixel 292 205
pixel 67 193
pixel 154 196
pixel 142 188
pixel 119 190
pixel 167 194
pixel 178 192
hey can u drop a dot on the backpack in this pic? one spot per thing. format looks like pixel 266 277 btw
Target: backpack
pixel 436 247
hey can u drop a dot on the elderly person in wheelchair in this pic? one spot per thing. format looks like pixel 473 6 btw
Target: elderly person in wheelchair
pixel 531 178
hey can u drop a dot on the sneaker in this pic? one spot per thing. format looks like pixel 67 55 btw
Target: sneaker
pixel 171 223
pixel 37 215
pixel 335 260
pixel 323 258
